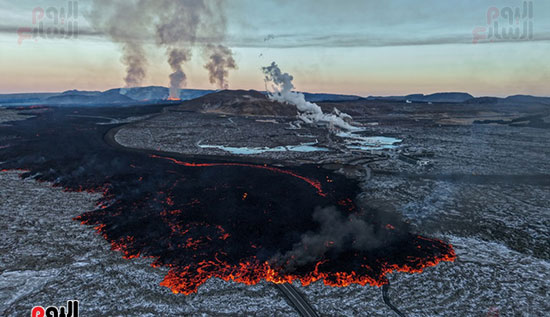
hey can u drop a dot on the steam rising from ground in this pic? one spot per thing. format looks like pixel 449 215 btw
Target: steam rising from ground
pixel 176 26
pixel 308 112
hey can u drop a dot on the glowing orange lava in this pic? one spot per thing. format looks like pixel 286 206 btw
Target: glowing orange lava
pixel 187 280
pixel 316 184
pixel 246 223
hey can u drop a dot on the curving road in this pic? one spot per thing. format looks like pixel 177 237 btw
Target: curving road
pixel 386 297
pixel 297 300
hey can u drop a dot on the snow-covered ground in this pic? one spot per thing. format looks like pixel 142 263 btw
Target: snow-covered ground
pixel 500 229
pixel 47 259
pixel 486 277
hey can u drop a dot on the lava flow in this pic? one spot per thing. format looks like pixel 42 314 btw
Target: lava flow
pixel 234 221
pixel 186 280
pixel 316 184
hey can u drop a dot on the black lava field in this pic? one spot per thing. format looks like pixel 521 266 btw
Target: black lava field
pixel 210 217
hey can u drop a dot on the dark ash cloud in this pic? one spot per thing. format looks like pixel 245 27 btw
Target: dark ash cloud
pixel 338 233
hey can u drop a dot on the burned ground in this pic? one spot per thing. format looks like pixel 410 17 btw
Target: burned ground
pixel 204 219
pixel 482 187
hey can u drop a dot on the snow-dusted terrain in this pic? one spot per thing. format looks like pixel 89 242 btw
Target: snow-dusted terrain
pixel 484 189
pixel 48 258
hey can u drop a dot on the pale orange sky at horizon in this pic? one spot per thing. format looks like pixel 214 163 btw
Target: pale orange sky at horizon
pixel 312 74
pixel 334 61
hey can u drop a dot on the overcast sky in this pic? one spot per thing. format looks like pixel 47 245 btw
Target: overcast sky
pixel 367 47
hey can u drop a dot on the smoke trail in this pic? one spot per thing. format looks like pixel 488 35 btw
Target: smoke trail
pixel 309 112
pixel 174 25
pixel 338 233
pixel 178 23
pixel 124 23
pixel 178 78
pixel 220 58
pixel 220 61
pixel 181 24
pixel 135 61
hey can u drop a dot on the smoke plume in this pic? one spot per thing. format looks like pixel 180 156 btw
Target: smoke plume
pixel 176 26
pixel 220 61
pixel 308 112
pixel 135 61
pixel 156 207
pixel 178 78
pixel 177 30
pixel 125 24
pixel 338 233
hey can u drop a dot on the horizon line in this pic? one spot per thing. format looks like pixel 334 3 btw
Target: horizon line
pixel 306 92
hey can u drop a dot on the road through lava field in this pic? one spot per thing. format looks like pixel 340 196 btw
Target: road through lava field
pixel 237 221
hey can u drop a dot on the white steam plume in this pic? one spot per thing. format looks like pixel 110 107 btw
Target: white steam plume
pixel 308 112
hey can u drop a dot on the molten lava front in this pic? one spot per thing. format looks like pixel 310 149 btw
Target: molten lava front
pixel 316 184
pixel 235 221
pixel 186 280
pixel 234 229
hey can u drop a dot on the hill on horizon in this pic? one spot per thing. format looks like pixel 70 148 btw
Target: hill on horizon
pixel 159 93
pixel 239 102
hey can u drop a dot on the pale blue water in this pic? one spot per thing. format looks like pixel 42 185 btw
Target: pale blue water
pixel 304 147
pixel 367 143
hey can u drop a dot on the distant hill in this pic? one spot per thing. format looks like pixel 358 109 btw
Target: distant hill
pixel 321 97
pixel 81 92
pixel 155 93
pixel 152 94
pixel 25 97
pixel 111 96
pixel 483 100
pixel 69 99
pixel 446 97
pixel 311 97
pixel 146 93
pixel 239 102
pixel 460 97
pixel 86 98
pixel 511 100
pixel 522 99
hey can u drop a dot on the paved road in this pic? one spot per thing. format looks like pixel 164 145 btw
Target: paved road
pixel 297 300
pixel 385 296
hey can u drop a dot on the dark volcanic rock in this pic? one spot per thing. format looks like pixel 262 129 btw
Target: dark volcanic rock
pixel 240 102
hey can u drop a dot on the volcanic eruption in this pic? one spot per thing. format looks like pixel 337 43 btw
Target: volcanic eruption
pixel 175 26
pixel 235 221
pixel 178 77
